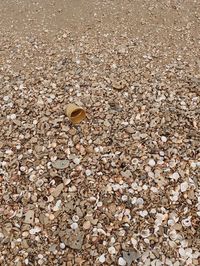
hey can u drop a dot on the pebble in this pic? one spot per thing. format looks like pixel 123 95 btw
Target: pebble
pixel 164 139
pixel 102 258
pixel 193 164
pixel 151 163
pixel 88 172
pixel 51 216
pixel 40 262
pixel 76 161
pixel 184 186
pixel 140 201
pixel 86 225
pixel 175 176
pixel 121 261
pixel 6 98
pixel 62 245
pixel 96 149
pixel 112 250
pixel 143 213
pixel 124 198
pixel 74 226
pixel 13 116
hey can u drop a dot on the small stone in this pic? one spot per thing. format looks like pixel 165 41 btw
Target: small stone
pixel 62 245
pixel 6 98
pixel 13 116
pixel 112 250
pixel 40 262
pixel 102 258
pixel 143 213
pixel 140 201
pixel 163 139
pixel 29 217
pixel 51 216
pixel 106 123
pixel 121 261
pixel 175 176
pixel 96 149
pixel 74 226
pixel 86 225
pixel 151 163
pixel 53 247
pixel 184 186
pixel 88 172
pixel 124 198
pixel 193 164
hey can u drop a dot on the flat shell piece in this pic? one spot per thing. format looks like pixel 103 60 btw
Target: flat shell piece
pixel 130 256
pixel 60 164
pixel 73 238
pixel 57 190
pixel 29 217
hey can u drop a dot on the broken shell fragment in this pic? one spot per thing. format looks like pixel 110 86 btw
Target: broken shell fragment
pixel 75 113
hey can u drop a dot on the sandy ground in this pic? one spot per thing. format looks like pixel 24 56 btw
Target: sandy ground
pixel 121 187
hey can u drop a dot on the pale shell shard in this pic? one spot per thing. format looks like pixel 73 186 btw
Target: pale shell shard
pixel 187 222
pixel 184 186
pixel 121 261
pixel 145 233
pixel 60 164
pixel 102 258
pixel 175 176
